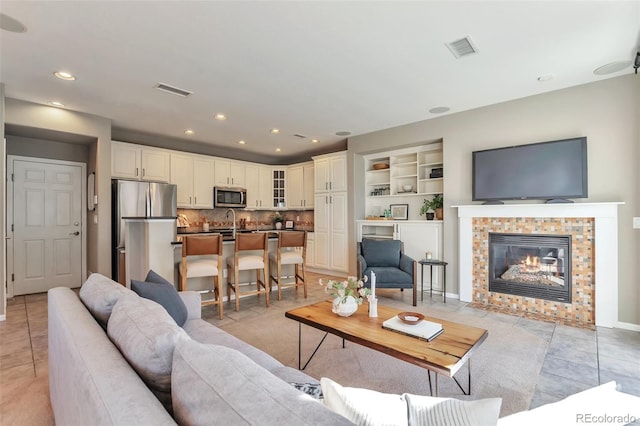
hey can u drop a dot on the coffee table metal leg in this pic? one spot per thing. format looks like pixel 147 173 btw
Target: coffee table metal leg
pixel 467 392
pixel 314 351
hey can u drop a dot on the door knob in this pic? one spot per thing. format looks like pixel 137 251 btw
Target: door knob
pixel 74 233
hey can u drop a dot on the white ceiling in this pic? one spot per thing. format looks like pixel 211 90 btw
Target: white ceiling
pixel 309 68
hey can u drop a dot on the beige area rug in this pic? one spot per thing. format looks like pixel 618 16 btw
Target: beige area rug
pixel 506 365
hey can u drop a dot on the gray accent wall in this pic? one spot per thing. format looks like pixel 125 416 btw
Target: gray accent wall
pixel 39 148
pixel 3 196
pixel 606 112
pixel 35 119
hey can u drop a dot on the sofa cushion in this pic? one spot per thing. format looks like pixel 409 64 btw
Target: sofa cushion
pixel 99 294
pixel 388 275
pixel 433 411
pixel 216 384
pixel 381 252
pixel 146 336
pixel 363 406
pixel 164 293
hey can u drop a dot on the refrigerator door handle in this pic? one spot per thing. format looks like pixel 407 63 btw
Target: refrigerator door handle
pixel 148 202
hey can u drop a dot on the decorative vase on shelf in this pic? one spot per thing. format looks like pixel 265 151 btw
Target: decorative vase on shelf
pixel 278 225
pixel 344 308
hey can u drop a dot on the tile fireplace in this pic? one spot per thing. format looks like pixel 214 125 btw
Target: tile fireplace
pixel 593 228
pixel 532 265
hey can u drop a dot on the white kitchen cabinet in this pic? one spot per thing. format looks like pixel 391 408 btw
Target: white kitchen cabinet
pixel 417 236
pixel 193 176
pixel 131 161
pixel 258 180
pixel 279 199
pixel 300 186
pixel 311 250
pixel 229 173
pixel 330 172
pixel 330 231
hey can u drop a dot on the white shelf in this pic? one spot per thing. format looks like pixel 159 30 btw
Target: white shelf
pixel 407 166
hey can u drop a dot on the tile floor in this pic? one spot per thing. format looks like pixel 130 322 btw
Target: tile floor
pixel 576 359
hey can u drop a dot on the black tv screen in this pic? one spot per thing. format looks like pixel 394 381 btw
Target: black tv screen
pixel 545 170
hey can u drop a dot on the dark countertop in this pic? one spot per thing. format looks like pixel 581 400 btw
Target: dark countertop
pixel 226 233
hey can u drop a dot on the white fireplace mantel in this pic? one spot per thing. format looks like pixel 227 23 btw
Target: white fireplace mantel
pixel 606 246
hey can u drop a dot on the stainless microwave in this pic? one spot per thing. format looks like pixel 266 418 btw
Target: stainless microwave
pixel 229 197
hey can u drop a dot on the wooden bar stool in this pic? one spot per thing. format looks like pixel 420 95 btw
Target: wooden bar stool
pixel 250 261
pixel 201 266
pixel 286 254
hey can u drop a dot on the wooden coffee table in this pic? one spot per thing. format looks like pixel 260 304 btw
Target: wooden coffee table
pixel 444 355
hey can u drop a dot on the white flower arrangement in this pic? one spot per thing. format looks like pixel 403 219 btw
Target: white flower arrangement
pixel 342 289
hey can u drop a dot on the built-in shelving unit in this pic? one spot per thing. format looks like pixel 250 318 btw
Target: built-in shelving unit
pixel 412 171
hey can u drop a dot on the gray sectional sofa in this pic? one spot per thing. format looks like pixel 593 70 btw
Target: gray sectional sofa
pixel 118 359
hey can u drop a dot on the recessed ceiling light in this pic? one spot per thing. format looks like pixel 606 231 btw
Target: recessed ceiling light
pixel 343 133
pixel 278 150
pixel 63 75
pixel 56 104
pixel 545 77
pixel 314 140
pixel 189 132
pixel 8 23
pixel 439 110
pixel 275 131
pixel 220 117
pixel 612 67
pixel 241 142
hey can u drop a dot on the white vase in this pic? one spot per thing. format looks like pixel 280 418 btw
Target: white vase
pixel 346 308
pixel 278 225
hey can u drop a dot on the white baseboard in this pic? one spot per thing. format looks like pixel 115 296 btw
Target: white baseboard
pixel 627 326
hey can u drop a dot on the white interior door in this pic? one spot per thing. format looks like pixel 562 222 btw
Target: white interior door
pixel 47 222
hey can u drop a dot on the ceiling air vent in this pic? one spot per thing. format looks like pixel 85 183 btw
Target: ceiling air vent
pixel 462 47
pixel 171 89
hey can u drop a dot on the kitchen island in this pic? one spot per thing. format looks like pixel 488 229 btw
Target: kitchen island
pixel 228 248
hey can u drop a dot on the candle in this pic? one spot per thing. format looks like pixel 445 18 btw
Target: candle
pixel 373 285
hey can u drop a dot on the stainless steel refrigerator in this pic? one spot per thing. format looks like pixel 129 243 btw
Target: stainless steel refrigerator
pixel 133 199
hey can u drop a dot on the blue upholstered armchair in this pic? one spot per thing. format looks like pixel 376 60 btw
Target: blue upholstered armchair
pixel 392 267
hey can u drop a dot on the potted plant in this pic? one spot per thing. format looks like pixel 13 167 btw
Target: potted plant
pixel 278 219
pixel 437 204
pixel 432 207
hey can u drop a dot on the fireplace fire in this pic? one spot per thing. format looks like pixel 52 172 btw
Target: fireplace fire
pixel 530 265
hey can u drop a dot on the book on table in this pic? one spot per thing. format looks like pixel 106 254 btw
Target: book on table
pixel 424 330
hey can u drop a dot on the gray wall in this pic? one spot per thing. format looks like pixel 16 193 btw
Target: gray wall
pixel 3 272
pixel 607 112
pixel 29 147
pixel 35 117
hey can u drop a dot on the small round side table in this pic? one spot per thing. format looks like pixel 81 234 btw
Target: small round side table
pixel 432 263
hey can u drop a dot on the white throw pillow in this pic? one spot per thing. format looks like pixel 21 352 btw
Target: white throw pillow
pixel 598 405
pixel 434 411
pixel 363 406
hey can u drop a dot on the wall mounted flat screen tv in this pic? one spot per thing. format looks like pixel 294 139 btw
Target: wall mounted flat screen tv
pixel 546 170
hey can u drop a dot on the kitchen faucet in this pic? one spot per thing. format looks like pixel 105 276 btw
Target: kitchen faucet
pixel 233 233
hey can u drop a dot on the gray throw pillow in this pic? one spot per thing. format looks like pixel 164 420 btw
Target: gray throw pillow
pixel 164 293
pixel 99 294
pixel 146 336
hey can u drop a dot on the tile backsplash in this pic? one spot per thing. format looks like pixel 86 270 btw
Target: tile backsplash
pixel 252 219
